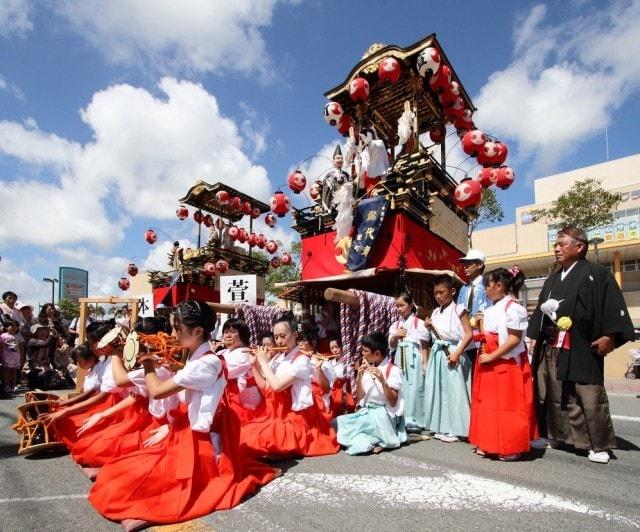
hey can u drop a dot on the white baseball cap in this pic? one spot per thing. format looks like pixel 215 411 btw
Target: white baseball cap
pixel 472 255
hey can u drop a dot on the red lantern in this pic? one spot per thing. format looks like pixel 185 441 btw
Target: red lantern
pixel 451 94
pixel 280 204
pixel 316 190
pixel 246 208
pixel 262 241
pixel 441 81
pixel 487 177
pixel 124 283
pixel 297 181
pixel 503 151
pixel 252 240
pixel 219 223
pixel 132 270
pixel 271 247
pixel 255 212
pixel 222 266
pixel 207 220
pixel 473 141
pixel 150 236
pixel 333 113
pixel 454 111
pixel 182 212
pixel 270 220
pixel 235 203
pixel 359 89
pixel 490 154
pixel 286 259
pixel 345 123
pixel 436 134
pixel 233 233
pixel 389 69
pixel 465 121
pixel 275 262
pixel 223 197
pixel 209 269
pixel 468 193
pixel 428 62
pixel 506 175
pixel 197 217
pixel 242 235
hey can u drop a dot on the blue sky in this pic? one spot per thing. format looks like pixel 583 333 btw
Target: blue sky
pixel 109 110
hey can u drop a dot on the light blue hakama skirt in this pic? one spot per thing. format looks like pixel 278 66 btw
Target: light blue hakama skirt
pixel 413 385
pixel 369 427
pixel 447 403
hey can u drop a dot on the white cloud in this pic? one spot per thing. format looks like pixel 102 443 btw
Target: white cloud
pixel 15 278
pixel 15 18
pixel 566 80
pixel 145 153
pixel 191 35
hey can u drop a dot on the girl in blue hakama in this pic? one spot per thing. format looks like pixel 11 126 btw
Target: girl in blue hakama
pixel 379 423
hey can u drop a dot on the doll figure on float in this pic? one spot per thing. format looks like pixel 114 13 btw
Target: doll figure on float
pixel 368 155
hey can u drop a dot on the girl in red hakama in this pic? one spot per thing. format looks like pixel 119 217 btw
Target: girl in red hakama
pixel 99 389
pixel 242 391
pixel 193 471
pixel 293 424
pixel 341 401
pixel 322 377
pixel 502 412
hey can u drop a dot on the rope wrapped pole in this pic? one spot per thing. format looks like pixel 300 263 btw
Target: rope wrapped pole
pixel 349 298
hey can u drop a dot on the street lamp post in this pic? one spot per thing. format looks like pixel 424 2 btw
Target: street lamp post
pixel 596 241
pixel 53 287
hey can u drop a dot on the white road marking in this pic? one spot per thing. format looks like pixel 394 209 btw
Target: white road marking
pixel 39 499
pixel 627 418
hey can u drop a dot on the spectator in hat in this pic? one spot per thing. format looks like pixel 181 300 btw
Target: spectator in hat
pixel 472 295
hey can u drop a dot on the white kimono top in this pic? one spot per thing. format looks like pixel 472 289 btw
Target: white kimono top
pixel 203 387
pixel 498 318
pixel 239 367
pixel 299 367
pixel 416 330
pixel 108 383
pixel 94 376
pixel 374 393
pixel 158 408
pixel 329 373
pixel 447 322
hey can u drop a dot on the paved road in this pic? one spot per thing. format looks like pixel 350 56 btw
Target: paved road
pixel 425 485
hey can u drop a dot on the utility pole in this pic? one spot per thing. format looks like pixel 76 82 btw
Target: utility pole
pixel 53 287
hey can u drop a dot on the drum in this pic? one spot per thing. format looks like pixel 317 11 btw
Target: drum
pixel 35 437
pixel 114 338
pixel 131 350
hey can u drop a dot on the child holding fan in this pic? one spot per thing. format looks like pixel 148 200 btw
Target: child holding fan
pixel 502 414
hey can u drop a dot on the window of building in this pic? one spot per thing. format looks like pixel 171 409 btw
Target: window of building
pixel 630 265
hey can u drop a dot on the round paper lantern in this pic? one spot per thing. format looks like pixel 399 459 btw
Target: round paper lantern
pixel 235 203
pixel 207 220
pixel 252 240
pixel 132 270
pixel 345 123
pixel 150 236
pixel 428 62
pixel 487 177
pixel 275 262
pixel 286 259
pixel 209 269
pixel 389 69
pixel 436 134
pixel 197 217
pixel 246 208
pixel 242 235
pixel 468 193
pixel 473 141
pixel 219 223
pixel 182 212
pixel 450 95
pixel 359 89
pixel 297 181
pixel 333 113
pixel 262 241
pixel 465 121
pixel 233 232
pixel 222 266
pixel 270 220
pixel 505 176
pixel 223 197
pixel 271 247
pixel 124 283
pixel 503 151
pixel 490 154
pixel 441 81
pixel 280 204
pixel 454 111
pixel 316 190
pixel 255 212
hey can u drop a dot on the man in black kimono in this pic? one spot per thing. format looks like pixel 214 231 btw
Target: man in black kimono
pixel 572 403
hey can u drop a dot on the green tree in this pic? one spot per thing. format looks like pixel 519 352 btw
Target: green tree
pixel 283 274
pixel 586 204
pixel 490 211
pixel 69 309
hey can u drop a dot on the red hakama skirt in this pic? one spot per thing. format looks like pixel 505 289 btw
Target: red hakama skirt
pixel 281 432
pixel 502 412
pixel 318 397
pixel 67 427
pixel 233 398
pixel 341 401
pixel 180 478
pixel 115 437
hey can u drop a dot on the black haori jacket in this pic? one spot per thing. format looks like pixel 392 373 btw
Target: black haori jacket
pixel 592 299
